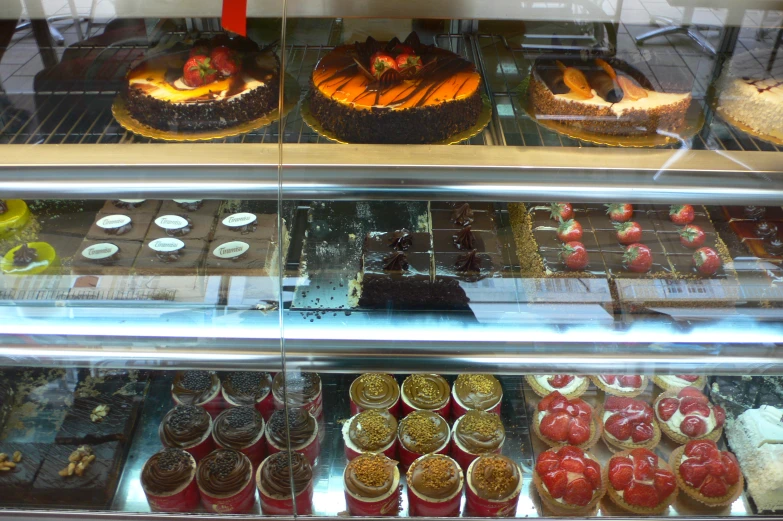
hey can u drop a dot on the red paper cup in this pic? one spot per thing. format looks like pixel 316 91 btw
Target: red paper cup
pixel 480 507
pixel 199 449
pixel 461 455
pixel 265 405
pixel 214 404
pixel 458 409
pixel 394 410
pixel 255 451
pixel 310 450
pixel 183 499
pixel 238 503
pixel 407 457
pixel 278 506
pixel 386 505
pixel 408 407
pixel 352 450
pixel 422 506
pixel 314 406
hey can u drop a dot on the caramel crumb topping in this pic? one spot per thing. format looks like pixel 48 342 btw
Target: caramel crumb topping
pixel 479 383
pixel 374 426
pixel 371 469
pixel 425 386
pixel 374 383
pixel 494 476
pixel 420 428
pixel 484 424
pixel 438 472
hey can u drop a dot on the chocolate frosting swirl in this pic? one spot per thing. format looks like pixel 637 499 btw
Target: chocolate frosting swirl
pixel 194 387
pixel 370 475
pixel 426 391
pixel 276 474
pixel 167 471
pixel 301 388
pixel 25 255
pixel 224 472
pixel 397 261
pixel 480 432
pixel 246 387
pixel 375 391
pixel 401 239
pixel 184 426
pixel 436 476
pixel 301 425
pixel 372 429
pixel 463 215
pixel 478 391
pixel 238 427
pixel 494 477
pixel 423 432
pixel 465 240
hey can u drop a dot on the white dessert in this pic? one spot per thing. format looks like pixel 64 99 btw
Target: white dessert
pixel 756 438
pixel 572 386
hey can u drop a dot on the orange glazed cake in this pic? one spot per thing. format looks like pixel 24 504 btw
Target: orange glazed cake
pixel 395 92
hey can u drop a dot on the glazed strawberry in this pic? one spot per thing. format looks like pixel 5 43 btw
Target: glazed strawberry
pixel 565 421
pixel 609 378
pixel 692 405
pixel 618 426
pixel 592 472
pixel 574 255
pixel 579 492
pixel 708 470
pixel 664 482
pixel 574 478
pixel 692 236
pixel 620 472
pixel 633 380
pixel 201 49
pixel 561 211
pixel 381 62
pixel 681 214
pixel 198 71
pixel 548 461
pixel 225 60
pixel 688 377
pixel 706 260
pixel 569 230
pixel 667 407
pixel 637 258
pixel 720 415
pixel 619 212
pixel 407 60
pixel 555 426
pixel 628 232
pixel 641 478
pixel 559 381
pixel 692 392
pixel 553 402
pixel 556 482
pixel 631 419
pixel 642 432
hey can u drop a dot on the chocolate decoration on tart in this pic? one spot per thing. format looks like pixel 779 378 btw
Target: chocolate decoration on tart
pixel 184 426
pixel 426 391
pixel 370 475
pixel 246 387
pixel 435 476
pixel 478 391
pixel 25 255
pixel 423 432
pixel 372 430
pixel 167 471
pixel 224 472
pixel 375 391
pixel 277 474
pixel 3 207
pixel 479 432
pixel 238 427
pixel 494 477
pixel 301 426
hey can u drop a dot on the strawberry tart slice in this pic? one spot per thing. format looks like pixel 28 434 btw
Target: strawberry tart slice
pixel 570 386
pixel 640 482
pixel 630 385
pixel 670 382
pixel 629 424
pixel 560 421
pixel 569 481
pixel 706 473
pixel 688 415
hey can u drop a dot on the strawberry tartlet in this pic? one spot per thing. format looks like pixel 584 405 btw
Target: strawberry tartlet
pixel 672 382
pixel 688 415
pixel 629 424
pixel 640 482
pixel 628 385
pixel 569 481
pixel 707 474
pixel 559 421
pixel 570 386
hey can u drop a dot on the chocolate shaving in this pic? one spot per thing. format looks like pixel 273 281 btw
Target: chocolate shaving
pixel 364 70
pixel 3 207
pixel 470 262
pixel 413 41
pixel 25 255
pixel 397 261
pixel 401 239
pixel 463 215
pixel 390 77
pixel 465 239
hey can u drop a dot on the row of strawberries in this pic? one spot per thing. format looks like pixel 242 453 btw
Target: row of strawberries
pixel 402 57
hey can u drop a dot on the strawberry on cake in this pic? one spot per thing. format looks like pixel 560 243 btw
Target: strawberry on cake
pixel 628 385
pixel 570 386
pixel 707 474
pixel 569 481
pixel 640 482
pixel 629 424
pixel 688 415
pixel 219 83
pixel 669 382
pixel 559 421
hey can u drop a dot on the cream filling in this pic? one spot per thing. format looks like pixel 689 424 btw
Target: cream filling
pixel 165 93
pixel 653 101
pixel 572 386
pixel 616 384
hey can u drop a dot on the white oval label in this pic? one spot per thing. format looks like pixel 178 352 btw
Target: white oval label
pixel 166 245
pixel 229 250
pixel 100 251
pixel 239 219
pixel 171 222
pixel 113 221
pixel 187 201
pixel 132 201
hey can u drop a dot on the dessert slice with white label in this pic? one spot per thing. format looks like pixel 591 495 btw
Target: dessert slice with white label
pixel 181 225
pixel 171 256
pixel 125 227
pixel 248 225
pixel 240 257
pixel 105 257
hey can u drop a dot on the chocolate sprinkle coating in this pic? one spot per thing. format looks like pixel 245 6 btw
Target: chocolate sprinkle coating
pixel 170 459
pixel 196 380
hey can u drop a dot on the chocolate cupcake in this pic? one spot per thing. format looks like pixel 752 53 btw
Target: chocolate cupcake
pixel 274 478
pixel 168 481
pixel 301 390
pixel 225 481
pixel 493 486
pixel 426 392
pixel 242 429
pixel 198 388
pixel 372 486
pixel 375 391
pixel 435 484
pixel 474 434
pixel 422 432
pixel 302 430
pixel 480 392
pixel 370 431
pixel 249 388
pixel 188 427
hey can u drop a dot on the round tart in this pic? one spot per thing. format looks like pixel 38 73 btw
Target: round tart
pixel 427 392
pixel 570 386
pixel 707 474
pixel 370 431
pixel 629 385
pixel 559 421
pixel 569 481
pixel 629 424
pixel 375 391
pixel 671 382
pixel 640 482
pixel 14 215
pixel 480 392
pixel 688 415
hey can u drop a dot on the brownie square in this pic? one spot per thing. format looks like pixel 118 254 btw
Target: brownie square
pixel 94 489
pixel 447 265
pixel 189 260
pixel 131 206
pixel 15 484
pixel 200 226
pixel 442 220
pixel 417 266
pixel 190 206
pixel 264 227
pixel 139 223
pixel 238 256
pixel 381 242
pixel 118 264
pixel 80 426
pixel 445 241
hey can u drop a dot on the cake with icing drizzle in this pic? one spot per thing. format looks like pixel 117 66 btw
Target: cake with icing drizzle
pixel 220 83
pixel 395 92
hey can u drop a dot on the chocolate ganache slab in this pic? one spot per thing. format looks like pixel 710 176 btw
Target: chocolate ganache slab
pixel 395 92
pixel 98 419
pixel 105 257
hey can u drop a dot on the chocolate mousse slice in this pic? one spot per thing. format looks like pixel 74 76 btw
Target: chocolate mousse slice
pixel 171 256
pixel 22 461
pixel 239 256
pixel 249 225
pixel 99 419
pixel 119 226
pixel 105 257
pixel 181 225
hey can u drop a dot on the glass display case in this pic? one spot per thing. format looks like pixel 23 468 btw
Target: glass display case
pixel 434 259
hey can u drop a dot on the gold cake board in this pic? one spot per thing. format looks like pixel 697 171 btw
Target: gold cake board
pixel 483 120
pixel 747 130
pixel 120 112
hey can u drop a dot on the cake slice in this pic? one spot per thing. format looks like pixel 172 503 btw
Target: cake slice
pixel 99 419
pixel 15 483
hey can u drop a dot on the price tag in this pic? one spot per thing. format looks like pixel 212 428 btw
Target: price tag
pixel 234 17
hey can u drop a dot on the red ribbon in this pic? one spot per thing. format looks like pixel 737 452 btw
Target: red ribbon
pixel 234 17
